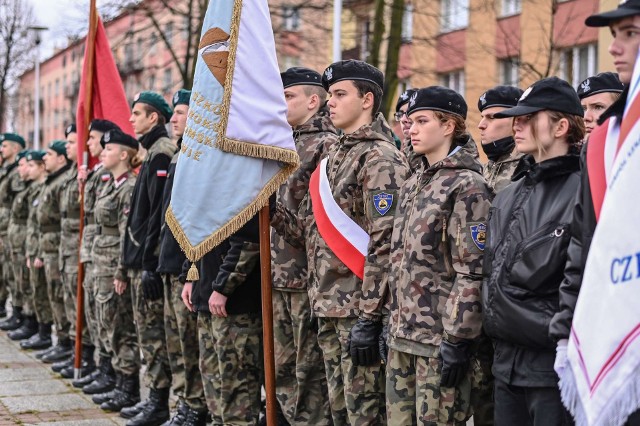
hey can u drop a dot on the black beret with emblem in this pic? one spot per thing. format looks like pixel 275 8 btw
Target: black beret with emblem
pixel 625 9
pixel 551 93
pixel 403 99
pixel 102 125
pixel 13 137
pixel 300 76
pixel 181 97
pixel 599 83
pixel 352 69
pixel 71 128
pixel 119 137
pixel 499 96
pixel 36 155
pixel 438 98
pixel 155 100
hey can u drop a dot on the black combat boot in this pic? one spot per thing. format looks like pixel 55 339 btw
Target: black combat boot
pixel 61 365
pixel 3 309
pixel 85 380
pixel 62 351
pixel 105 382
pixel 181 415
pixel 43 352
pixel 87 364
pixel 14 321
pixel 128 395
pixel 106 396
pixel 155 412
pixel 40 340
pixel 131 412
pixel 195 418
pixel 28 328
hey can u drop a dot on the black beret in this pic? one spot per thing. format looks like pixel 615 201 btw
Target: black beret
pixel 599 83
pixel 551 93
pixel 300 76
pixel 119 137
pixel 23 154
pixel 438 98
pixel 499 96
pixel 181 97
pixel 404 98
pixel 13 137
pixel 102 125
pixel 155 100
pixel 352 70
pixel 71 128
pixel 36 155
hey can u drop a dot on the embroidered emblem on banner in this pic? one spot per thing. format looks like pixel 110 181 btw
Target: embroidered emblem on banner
pixel 383 202
pixel 479 235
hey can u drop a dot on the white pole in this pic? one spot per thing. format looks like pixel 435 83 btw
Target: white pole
pixel 36 120
pixel 337 30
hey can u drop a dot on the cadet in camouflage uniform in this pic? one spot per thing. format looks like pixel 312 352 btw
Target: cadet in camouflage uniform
pixel 10 183
pixel 414 160
pixel 16 236
pixel 3 288
pixel 113 296
pixel 364 169
pixel 436 272
pixel 40 298
pixel 496 135
pixel 180 324
pixel 301 385
pixel 140 251
pixel 48 214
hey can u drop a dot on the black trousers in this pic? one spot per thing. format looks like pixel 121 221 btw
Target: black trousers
pixel 524 406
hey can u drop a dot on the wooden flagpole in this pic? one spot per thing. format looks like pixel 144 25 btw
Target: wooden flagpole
pixel 267 316
pixel 91 58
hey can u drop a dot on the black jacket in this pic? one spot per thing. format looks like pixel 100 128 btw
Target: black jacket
pixel 583 225
pixel 171 257
pixel 140 249
pixel 525 255
pixel 232 269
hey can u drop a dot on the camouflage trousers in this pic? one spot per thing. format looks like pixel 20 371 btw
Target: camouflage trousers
pixel 23 286
pixel 70 281
pixel 116 330
pixel 55 289
pixel 148 316
pixel 10 287
pixel 181 330
pixel 4 291
pixel 301 382
pixel 40 297
pixel 414 394
pixel 231 362
pixel 356 393
pixel 482 384
pixel 91 310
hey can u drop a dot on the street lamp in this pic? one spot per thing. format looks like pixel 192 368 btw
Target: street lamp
pixel 36 119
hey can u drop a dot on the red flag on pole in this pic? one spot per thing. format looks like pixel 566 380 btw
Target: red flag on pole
pixel 108 100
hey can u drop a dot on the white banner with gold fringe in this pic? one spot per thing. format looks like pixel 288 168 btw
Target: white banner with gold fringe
pixel 237 148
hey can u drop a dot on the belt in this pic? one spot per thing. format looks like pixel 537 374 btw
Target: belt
pixel 70 215
pixel 108 230
pixel 50 228
pixel 89 220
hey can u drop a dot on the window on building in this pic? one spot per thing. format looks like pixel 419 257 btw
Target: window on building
pixel 64 61
pixel 291 18
pixel 167 80
pixel 57 86
pixel 64 85
pixel 153 41
pixel 152 82
pixel 578 63
pixel 453 80
pixel 407 24
pixel 455 15
pixel 168 30
pixel 139 47
pixel 509 71
pixel 511 7
pixel 128 54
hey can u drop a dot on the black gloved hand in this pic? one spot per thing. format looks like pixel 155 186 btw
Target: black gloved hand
pixel 363 342
pixel 455 362
pixel 152 285
pixel 382 343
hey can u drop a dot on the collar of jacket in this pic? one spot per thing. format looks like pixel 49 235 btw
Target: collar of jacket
pixel 616 109
pixel 179 143
pixel 319 122
pixel 9 167
pixel 378 130
pixel 148 139
pixel 54 175
pixel 500 150
pixel 465 158
pixel 548 169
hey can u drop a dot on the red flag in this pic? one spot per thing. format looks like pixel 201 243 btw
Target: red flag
pixel 107 100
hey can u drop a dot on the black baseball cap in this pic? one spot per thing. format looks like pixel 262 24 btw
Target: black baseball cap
pixel 552 93
pixel 499 96
pixel 438 98
pixel 625 9
pixel 599 83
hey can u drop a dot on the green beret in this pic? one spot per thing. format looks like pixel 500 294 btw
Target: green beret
pixel 22 154
pixel 59 146
pixel 181 97
pixel 13 137
pixel 156 101
pixel 119 137
pixel 36 155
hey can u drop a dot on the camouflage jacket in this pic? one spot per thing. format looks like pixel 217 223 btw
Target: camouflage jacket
pixel 362 165
pixel 17 234
pixel 48 213
pixel 70 217
pixel 10 184
pixel 34 196
pixel 97 179
pixel 498 173
pixel 436 254
pixel 313 140
pixel 111 214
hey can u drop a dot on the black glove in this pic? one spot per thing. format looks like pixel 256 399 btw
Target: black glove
pixel 152 285
pixel 455 362
pixel 363 342
pixel 382 343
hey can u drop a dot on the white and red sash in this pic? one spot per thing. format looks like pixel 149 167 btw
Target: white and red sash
pixel 346 239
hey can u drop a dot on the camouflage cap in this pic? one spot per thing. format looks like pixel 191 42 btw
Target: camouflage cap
pixel 155 100
pixel 36 155
pixel 13 137
pixel 59 147
pixel 181 97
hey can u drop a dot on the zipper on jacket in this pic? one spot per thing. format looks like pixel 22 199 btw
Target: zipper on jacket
pixel 458 235
pixel 446 251
pixel 404 238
